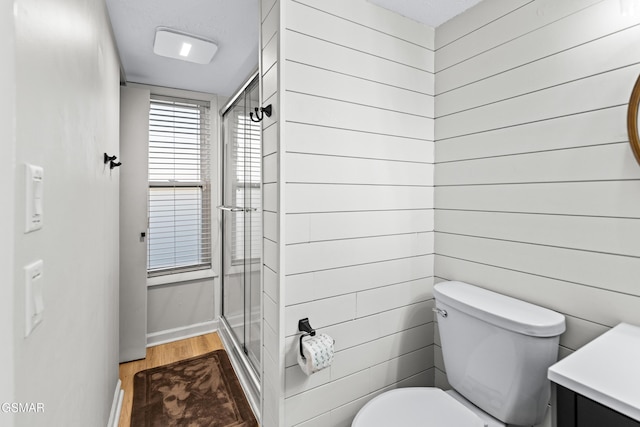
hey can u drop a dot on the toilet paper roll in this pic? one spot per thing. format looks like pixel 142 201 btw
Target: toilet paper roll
pixel 318 353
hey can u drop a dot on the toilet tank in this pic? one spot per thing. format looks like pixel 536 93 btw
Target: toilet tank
pixel 497 350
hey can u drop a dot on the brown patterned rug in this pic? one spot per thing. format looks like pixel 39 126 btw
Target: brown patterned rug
pixel 199 392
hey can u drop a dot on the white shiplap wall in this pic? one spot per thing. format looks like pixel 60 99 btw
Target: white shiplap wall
pixel 272 354
pixel 536 187
pixel 351 228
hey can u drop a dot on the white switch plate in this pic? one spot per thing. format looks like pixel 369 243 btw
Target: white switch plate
pixel 34 279
pixel 34 186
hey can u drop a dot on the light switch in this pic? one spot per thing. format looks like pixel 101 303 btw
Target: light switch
pixel 34 188
pixel 34 309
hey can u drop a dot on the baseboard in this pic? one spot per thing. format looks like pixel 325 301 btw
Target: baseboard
pixel 170 335
pixel 116 406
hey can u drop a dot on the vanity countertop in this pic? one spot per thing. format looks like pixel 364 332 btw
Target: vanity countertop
pixel 606 370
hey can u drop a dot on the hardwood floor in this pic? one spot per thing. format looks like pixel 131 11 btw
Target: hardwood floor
pixel 158 356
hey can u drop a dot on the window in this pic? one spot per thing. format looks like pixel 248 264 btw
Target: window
pixel 179 234
pixel 246 234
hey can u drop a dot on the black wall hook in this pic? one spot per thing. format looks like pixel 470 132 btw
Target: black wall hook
pixel 305 327
pixel 114 164
pixel 108 158
pixel 266 111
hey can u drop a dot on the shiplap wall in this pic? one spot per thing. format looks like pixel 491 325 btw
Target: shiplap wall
pixel 349 164
pixel 272 339
pixel 536 187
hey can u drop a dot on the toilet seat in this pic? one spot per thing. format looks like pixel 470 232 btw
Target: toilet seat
pixel 416 406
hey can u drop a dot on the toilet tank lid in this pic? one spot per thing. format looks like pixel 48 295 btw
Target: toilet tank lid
pixel 500 310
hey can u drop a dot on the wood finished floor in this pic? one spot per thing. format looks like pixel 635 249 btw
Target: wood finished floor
pixel 158 356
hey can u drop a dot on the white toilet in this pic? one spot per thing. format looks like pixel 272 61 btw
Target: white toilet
pixel 496 353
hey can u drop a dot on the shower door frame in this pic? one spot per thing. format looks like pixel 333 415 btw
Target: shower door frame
pixel 248 375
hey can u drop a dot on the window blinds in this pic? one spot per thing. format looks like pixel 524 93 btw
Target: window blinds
pixel 247 228
pixel 179 234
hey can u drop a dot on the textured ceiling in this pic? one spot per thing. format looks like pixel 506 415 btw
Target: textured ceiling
pixel 233 25
pixel 429 12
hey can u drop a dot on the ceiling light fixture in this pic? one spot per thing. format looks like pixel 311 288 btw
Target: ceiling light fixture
pixel 187 47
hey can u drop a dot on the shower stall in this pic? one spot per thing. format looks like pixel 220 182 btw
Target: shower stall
pixel 241 212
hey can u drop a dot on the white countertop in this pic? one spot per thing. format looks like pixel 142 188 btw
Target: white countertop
pixel 607 370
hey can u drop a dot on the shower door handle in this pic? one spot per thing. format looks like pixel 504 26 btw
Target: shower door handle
pixel 230 208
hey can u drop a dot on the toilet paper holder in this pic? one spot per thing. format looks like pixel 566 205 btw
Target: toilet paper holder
pixel 305 327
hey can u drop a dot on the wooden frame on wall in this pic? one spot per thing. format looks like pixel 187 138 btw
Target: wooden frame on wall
pixel 632 120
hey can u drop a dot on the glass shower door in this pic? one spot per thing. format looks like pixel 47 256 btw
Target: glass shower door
pixel 253 223
pixel 242 224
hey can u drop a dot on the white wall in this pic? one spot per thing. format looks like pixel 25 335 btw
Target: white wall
pixel 348 204
pixel 67 94
pixel 133 194
pixel 8 142
pixel 536 185
pixel 272 376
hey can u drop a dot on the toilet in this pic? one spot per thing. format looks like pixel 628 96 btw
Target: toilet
pixel 496 352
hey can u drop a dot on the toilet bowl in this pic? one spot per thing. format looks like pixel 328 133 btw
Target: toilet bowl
pixel 496 352
pixel 424 407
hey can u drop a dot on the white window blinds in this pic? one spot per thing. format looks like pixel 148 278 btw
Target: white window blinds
pixel 179 234
pixel 247 235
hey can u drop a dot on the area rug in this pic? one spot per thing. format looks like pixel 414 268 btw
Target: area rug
pixel 199 392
